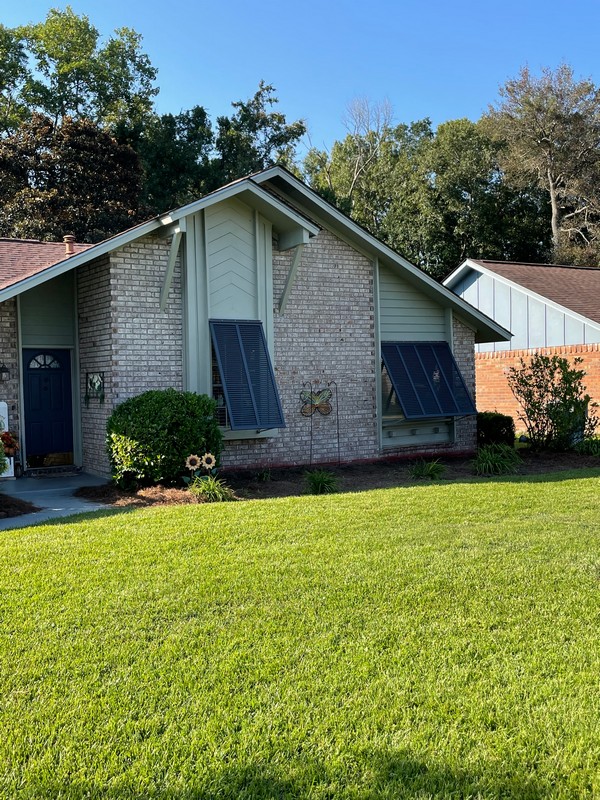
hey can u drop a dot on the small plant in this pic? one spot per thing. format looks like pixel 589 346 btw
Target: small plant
pixel 496 459
pixel 321 481
pixel 203 482
pixel 588 447
pixel 427 469
pixel 211 489
pixel 264 476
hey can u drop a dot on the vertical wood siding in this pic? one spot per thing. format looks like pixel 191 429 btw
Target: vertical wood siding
pixel 532 322
pixel 48 314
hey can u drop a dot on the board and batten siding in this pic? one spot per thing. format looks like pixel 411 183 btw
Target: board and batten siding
pixel 407 315
pixel 47 314
pixel 532 322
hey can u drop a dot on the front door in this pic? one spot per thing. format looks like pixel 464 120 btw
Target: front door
pixel 48 407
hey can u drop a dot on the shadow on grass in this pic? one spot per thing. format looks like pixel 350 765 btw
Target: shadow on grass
pixel 376 774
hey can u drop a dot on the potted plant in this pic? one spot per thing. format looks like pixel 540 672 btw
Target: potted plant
pixel 10 443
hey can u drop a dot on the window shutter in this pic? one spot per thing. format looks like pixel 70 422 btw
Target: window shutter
pixel 247 375
pixel 426 379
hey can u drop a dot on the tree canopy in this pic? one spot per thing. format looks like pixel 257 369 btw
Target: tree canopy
pixel 84 150
pixel 549 128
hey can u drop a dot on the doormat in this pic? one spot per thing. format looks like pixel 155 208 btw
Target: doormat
pixel 51 472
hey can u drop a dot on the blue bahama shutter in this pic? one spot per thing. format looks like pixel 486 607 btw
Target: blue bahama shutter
pixel 426 379
pixel 247 375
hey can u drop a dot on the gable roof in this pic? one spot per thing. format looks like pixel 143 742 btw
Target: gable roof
pixel 291 205
pixel 575 289
pixel 23 258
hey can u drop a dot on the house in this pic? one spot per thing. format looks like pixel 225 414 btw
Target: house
pixel 318 341
pixel 550 309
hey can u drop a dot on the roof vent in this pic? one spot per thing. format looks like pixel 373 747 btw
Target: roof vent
pixel 69 241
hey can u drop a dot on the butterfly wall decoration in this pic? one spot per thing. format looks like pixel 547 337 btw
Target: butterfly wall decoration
pixel 315 401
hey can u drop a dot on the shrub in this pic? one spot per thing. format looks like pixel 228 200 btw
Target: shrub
pixel 151 435
pixel 555 405
pixel 495 428
pixel 211 489
pixel 321 481
pixel 496 459
pixel 427 469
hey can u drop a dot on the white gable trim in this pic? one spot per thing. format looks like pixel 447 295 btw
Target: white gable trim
pixel 470 265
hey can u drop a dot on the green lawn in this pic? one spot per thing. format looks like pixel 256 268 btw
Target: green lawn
pixel 439 641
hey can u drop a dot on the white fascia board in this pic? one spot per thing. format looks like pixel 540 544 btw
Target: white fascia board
pixel 490 330
pixel 473 265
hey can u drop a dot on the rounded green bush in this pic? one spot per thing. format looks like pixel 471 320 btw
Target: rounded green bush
pixel 150 436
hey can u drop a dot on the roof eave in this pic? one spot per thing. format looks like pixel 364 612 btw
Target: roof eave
pixel 487 329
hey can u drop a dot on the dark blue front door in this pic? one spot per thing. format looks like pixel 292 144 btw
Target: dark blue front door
pixel 48 403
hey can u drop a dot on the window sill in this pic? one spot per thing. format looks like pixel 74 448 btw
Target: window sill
pixel 229 435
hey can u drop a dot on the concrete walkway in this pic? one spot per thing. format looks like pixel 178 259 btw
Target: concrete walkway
pixel 54 495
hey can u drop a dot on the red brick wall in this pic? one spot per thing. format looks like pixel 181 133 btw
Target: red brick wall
pixel 491 370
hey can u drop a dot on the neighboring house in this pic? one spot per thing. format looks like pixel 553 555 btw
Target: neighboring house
pixel 318 341
pixel 550 309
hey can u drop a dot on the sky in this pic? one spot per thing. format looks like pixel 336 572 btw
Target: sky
pixel 444 59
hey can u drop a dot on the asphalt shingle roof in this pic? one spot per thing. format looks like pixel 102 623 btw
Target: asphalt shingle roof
pixel 576 288
pixel 23 258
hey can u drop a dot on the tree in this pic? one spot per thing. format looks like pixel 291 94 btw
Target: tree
pixel 556 408
pixel 254 137
pixel 13 74
pixel 75 76
pixel 69 178
pixel 550 129
pixel 436 197
pixel 175 151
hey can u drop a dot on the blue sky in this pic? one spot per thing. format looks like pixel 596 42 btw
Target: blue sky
pixel 441 59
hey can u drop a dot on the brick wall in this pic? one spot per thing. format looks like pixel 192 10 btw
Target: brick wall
pixel 9 355
pixel 493 393
pixel 124 334
pixel 325 334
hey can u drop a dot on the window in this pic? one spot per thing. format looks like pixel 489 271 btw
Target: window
pixel 243 378
pixel 425 380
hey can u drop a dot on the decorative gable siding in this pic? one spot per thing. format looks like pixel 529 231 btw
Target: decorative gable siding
pixel 231 257
pixel 405 314
pixel 532 322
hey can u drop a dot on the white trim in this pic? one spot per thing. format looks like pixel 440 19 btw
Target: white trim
pixel 291 277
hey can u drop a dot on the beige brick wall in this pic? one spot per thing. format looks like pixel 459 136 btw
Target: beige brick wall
pixel 9 355
pixel 326 333
pixel 124 334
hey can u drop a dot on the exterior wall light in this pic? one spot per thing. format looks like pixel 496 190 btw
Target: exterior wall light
pixel 4 372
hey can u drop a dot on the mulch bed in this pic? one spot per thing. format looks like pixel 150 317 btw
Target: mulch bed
pixel 288 482
pixel 13 507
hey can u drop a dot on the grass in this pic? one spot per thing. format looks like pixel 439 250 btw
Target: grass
pixel 424 642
